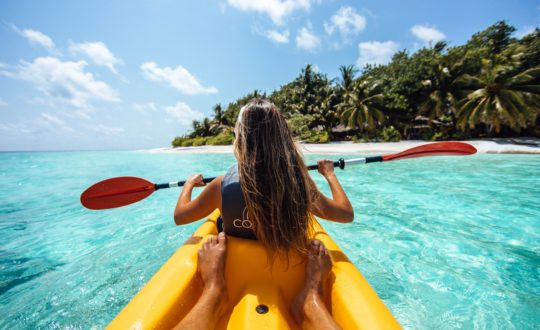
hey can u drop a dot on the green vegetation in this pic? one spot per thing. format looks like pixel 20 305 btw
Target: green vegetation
pixel 488 87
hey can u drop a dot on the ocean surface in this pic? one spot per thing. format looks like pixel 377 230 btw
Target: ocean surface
pixel 446 242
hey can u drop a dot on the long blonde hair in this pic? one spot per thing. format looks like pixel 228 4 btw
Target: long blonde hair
pixel 277 188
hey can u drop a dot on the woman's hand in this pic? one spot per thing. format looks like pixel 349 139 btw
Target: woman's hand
pixel 195 180
pixel 338 208
pixel 326 167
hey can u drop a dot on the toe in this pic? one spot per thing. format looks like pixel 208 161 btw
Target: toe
pixel 312 251
pixel 321 250
pixel 221 239
pixel 317 247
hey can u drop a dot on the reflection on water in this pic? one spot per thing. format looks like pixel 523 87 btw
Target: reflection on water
pixel 447 242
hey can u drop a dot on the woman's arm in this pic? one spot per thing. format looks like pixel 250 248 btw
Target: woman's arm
pixel 338 208
pixel 188 210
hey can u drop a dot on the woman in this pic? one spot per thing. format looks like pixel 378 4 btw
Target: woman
pixel 268 196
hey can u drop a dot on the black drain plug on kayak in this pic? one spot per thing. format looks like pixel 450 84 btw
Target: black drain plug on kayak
pixel 262 309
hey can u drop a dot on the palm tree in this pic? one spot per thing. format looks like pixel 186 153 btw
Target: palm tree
pixel 218 114
pixel 205 126
pixel 219 123
pixel 364 108
pixel 347 79
pixel 441 101
pixel 499 96
pixel 346 85
pixel 326 113
pixel 306 91
pixel 201 128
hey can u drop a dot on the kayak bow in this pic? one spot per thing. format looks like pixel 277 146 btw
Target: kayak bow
pixel 259 298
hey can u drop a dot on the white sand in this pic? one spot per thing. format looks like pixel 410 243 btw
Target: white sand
pixel 494 146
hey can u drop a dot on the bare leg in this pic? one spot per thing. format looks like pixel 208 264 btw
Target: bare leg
pixel 308 307
pixel 212 303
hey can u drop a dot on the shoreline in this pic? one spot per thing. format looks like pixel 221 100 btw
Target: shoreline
pixel 492 146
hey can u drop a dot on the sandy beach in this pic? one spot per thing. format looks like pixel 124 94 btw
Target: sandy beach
pixel 493 146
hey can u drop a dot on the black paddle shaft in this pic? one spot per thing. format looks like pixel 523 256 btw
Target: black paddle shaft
pixel 158 186
pixel 339 163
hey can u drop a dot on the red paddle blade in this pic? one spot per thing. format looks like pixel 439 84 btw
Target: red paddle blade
pixel 116 192
pixel 434 149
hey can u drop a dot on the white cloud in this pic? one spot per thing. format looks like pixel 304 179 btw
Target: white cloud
pixel 66 82
pixel 178 78
pixel 145 107
pixel 183 113
pixel 346 21
pixel 427 34
pixel 43 124
pixel 4 69
pixel 277 10
pixel 376 52
pixel 307 40
pixel 50 120
pixel 98 53
pixel 524 31
pixel 17 128
pixel 105 130
pixel 36 38
pixel 3 103
pixel 278 37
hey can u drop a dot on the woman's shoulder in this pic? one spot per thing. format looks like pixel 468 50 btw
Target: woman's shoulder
pixel 231 174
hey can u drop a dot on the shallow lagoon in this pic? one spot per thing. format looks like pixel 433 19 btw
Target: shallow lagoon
pixel 447 242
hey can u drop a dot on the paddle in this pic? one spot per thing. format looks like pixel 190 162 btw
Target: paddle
pixel 125 190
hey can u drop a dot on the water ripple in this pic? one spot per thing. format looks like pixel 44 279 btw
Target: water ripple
pixel 447 243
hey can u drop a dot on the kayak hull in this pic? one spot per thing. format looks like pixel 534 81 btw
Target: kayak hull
pixel 259 295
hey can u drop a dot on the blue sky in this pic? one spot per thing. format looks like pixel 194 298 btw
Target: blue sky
pixel 80 75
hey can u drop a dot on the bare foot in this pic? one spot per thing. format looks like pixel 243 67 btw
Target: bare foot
pixel 212 256
pixel 318 266
pixel 213 301
pixel 211 265
pixel 308 307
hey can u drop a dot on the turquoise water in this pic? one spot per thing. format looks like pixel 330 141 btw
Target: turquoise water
pixel 447 242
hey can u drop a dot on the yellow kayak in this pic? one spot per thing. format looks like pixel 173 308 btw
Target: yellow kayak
pixel 259 296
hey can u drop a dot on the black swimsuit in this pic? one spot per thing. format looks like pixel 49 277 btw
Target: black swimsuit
pixel 233 207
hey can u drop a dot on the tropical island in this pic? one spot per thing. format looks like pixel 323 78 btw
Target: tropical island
pixel 487 88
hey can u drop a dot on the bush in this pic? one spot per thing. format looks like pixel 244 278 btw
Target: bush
pixel 177 142
pixel 224 138
pixel 444 134
pixel 449 134
pixel 299 125
pixel 365 138
pixel 439 136
pixel 198 141
pixel 390 134
pixel 460 135
pixel 318 137
pixel 187 143
pixel 426 134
